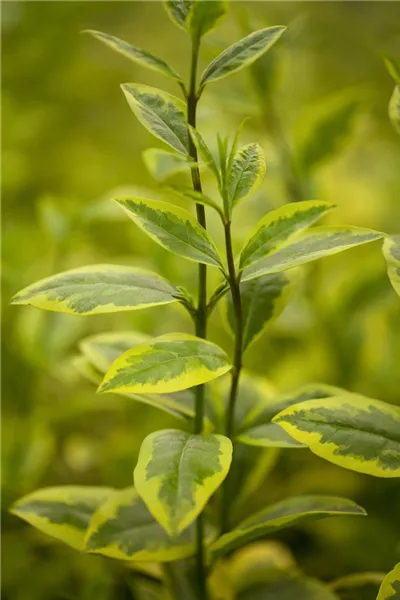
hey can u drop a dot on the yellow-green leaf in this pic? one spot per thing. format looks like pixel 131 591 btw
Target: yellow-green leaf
pixel 98 289
pixel 390 588
pixel 177 472
pixel 103 349
pixel 309 246
pixel 168 363
pixel 246 172
pixel 160 113
pixel 269 435
pixel 197 197
pixel 288 512
pixel 394 108
pixel 393 67
pixel 62 512
pixel 142 57
pixel 391 252
pixel 178 11
pixel 351 431
pixel 205 152
pixel 162 164
pixel 124 529
pixel 204 16
pixel 241 54
pixel 173 228
pixel 279 226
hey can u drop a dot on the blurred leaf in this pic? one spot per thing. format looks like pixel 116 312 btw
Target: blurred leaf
pixel 103 349
pixel 178 11
pixel 390 588
pixel 160 113
pixel 62 512
pixel 351 431
pixel 205 152
pixel 269 435
pixel 284 585
pixel 169 363
pixel 162 164
pixel 204 16
pixel 393 67
pixel 391 252
pixel 173 228
pixel 98 289
pixel 177 472
pixel 394 108
pixel 241 54
pixel 197 197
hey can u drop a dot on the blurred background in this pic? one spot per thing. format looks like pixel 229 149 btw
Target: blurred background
pixel 318 106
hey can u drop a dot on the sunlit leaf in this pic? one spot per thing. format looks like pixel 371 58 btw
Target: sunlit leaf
pixel 98 289
pixel 278 226
pixel 390 588
pixel 167 364
pixel 62 512
pixel 178 11
pixel 173 228
pixel 351 431
pixel 177 472
pixel 204 16
pixel 391 252
pixel 246 172
pixel 241 54
pixel 160 113
pixel 124 529
pixel 309 246
pixel 142 57
pixel 288 512
pixel 162 164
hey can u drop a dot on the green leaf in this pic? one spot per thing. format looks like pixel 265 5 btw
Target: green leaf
pixel 277 584
pixel 197 197
pixel 205 152
pixel 168 363
pixel 394 108
pixel 393 67
pixel 177 472
pixel 351 431
pixel 98 289
pixel 162 164
pixel 142 57
pixel 86 369
pixel 103 349
pixel 309 246
pixel 63 512
pixel 178 11
pixel 124 529
pixel 246 172
pixel 173 228
pixel 391 252
pixel 263 300
pixel 279 226
pixel 269 435
pixel 204 16
pixel 160 113
pixel 241 54
pixel 390 588
pixel 288 512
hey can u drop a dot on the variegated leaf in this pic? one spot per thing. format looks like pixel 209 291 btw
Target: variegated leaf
pixel 98 289
pixel 263 300
pixel 351 431
pixel 291 511
pixel 246 172
pixel 391 252
pixel 390 588
pixel 102 349
pixel 62 512
pixel 279 226
pixel 178 11
pixel 309 246
pixel 142 57
pixel 205 16
pixel 177 472
pixel 169 363
pixel 162 164
pixel 173 228
pixel 124 529
pixel 241 54
pixel 160 113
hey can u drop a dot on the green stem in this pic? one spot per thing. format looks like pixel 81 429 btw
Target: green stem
pixel 201 313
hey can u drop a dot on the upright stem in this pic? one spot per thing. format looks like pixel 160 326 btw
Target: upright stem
pixel 201 314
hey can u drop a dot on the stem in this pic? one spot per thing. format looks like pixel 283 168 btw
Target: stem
pixel 201 313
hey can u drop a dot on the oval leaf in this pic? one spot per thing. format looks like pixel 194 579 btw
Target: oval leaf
pixel 160 113
pixel 391 252
pixel 290 511
pixel 98 289
pixel 246 172
pixel 351 431
pixel 309 246
pixel 204 16
pixel 278 226
pixel 162 164
pixel 63 512
pixel 241 54
pixel 142 57
pixel 173 228
pixel 177 472
pixel 168 363
pixel 124 529
pixel 390 588
pixel 178 11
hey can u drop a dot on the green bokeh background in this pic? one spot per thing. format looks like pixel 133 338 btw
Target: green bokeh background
pixel 70 141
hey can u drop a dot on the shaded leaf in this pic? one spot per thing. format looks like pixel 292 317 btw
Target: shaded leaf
pixel 62 512
pixel 351 431
pixel 177 472
pixel 204 16
pixel 246 172
pixel 98 289
pixel 269 435
pixel 162 164
pixel 168 363
pixel 102 349
pixel 391 252
pixel 286 585
pixel 198 197
pixel 205 152
pixel 393 67
pixel 173 228
pixel 390 588
pixel 241 54
pixel 394 108
pixel 160 113
pixel 178 11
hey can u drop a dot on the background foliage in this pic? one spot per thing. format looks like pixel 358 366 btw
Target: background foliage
pixel 69 141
